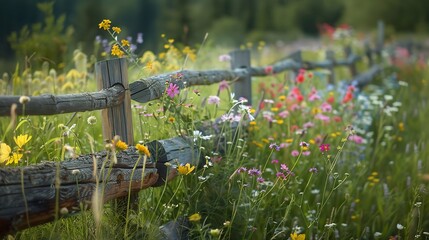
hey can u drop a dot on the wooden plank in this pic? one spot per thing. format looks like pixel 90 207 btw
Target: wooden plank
pixel 29 195
pixel 56 104
pixel 116 120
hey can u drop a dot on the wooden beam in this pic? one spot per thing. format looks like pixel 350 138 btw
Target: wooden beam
pixel 151 88
pixel 34 195
pixel 56 104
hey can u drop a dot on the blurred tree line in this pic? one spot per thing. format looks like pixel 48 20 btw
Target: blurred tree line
pixel 229 22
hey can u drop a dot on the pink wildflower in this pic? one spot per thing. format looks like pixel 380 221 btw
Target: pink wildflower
pixel 294 153
pixel 269 70
pixel 357 139
pixel 322 117
pixel 326 107
pixel 324 147
pixel 224 58
pixel 223 85
pixel 284 114
pixel 172 90
pixel 313 96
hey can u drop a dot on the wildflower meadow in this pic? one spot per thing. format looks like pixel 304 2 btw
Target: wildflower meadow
pixel 311 158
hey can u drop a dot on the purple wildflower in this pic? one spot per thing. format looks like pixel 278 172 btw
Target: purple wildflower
pixel 260 179
pixel 241 169
pixel 274 161
pixel 213 100
pixel 254 172
pixel 313 170
pixel 275 146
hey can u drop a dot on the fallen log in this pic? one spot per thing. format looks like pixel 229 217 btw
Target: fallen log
pixel 41 193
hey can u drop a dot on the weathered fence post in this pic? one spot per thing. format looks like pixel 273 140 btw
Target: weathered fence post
pixel 243 87
pixel 380 37
pixel 297 58
pixel 352 65
pixel 330 56
pixel 368 53
pixel 115 120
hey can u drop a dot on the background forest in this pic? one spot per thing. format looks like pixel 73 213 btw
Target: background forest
pixel 187 21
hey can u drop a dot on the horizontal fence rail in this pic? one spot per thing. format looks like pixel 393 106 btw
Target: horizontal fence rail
pixel 68 103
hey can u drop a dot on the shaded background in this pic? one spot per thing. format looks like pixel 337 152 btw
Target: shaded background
pixel 228 22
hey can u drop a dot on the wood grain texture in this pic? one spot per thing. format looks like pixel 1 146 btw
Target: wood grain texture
pixel 56 104
pixel 116 120
pixel 240 59
pixel 29 195
pixel 151 88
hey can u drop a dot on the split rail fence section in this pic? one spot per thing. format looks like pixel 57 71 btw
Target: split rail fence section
pixel 35 194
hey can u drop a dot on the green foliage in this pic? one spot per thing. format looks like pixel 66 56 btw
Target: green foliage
pixel 44 41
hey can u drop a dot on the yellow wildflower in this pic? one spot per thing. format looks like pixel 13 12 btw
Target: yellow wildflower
pixel 190 53
pixel 170 40
pixel 121 145
pixel 295 236
pixel 282 98
pixel 195 217
pixel 125 43
pixel 142 149
pixel 166 46
pixel 316 110
pixel 252 123
pixel 116 29
pixel 401 126
pixel 105 24
pixel 185 169
pixel 171 119
pixel 6 155
pixel 14 158
pixel 280 121
pixel 274 109
pixel 116 51
pixel 21 140
pixel 5 151
pixel 215 232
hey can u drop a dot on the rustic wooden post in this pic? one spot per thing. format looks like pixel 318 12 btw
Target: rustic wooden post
pixel 380 40
pixel 330 56
pixel 380 37
pixel 115 120
pixel 297 58
pixel 352 65
pixel 368 53
pixel 243 87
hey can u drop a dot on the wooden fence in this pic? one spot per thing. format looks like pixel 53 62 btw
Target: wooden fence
pixel 40 193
